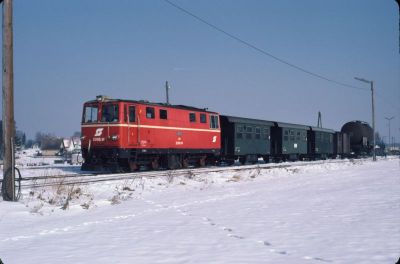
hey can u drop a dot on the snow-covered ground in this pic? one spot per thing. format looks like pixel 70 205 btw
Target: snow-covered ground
pixel 335 213
pixel 30 164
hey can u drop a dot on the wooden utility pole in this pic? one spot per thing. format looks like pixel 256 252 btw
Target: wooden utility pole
pixel 167 91
pixel 319 124
pixel 8 185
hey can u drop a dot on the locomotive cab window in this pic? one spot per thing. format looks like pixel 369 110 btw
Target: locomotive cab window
pixel 150 112
pixel 214 122
pixel 132 114
pixel 163 114
pixel 203 118
pixel 192 117
pixel 110 113
pixel 90 114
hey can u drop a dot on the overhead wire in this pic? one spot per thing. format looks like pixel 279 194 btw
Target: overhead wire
pixel 260 50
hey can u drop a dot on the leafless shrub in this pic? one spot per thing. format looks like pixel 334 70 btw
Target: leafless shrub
pixel 258 170
pixel 122 193
pixel 127 185
pixel 71 191
pixel 85 205
pixel 235 178
pixel 115 200
pixel 170 176
pixel 36 209
pixel 190 175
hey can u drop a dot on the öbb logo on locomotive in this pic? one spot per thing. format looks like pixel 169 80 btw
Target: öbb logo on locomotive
pixel 99 131
pixel 127 135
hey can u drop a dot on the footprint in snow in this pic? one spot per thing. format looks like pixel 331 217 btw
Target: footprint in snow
pixel 316 258
pixel 266 243
pixel 227 229
pixel 236 236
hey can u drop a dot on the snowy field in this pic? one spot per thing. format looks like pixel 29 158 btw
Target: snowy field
pixel 329 213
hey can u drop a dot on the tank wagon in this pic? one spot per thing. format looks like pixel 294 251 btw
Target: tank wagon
pixel 123 135
pixel 361 137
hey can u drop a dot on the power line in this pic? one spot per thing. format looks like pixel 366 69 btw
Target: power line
pixel 248 44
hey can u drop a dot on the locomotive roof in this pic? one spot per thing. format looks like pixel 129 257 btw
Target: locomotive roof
pixel 184 107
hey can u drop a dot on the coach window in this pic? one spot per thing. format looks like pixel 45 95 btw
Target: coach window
pixel 265 133
pixel 258 133
pixel 304 136
pixel 163 114
pixel 298 135
pixel 132 114
pixel 90 114
pixel 192 117
pixel 150 112
pixel 110 113
pixel 291 135
pixel 203 118
pixel 239 135
pixel 214 122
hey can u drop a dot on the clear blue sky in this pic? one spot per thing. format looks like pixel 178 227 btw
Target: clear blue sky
pixel 67 52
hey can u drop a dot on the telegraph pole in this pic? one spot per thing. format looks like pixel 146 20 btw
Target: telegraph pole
pixel 319 124
pixel 167 91
pixel 389 119
pixel 373 113
pixel 8 184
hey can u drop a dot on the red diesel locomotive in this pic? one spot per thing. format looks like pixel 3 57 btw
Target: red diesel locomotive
pixel 125 134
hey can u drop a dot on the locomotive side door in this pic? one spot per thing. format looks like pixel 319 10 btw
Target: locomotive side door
pixel 133 130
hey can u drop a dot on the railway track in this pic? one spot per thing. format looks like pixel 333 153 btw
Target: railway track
pixel 87 178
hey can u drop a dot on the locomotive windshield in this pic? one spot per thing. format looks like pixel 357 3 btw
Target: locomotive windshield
pixel 110 113
pixel 90 114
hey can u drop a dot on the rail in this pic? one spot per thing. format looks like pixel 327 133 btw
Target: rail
pixel 86 178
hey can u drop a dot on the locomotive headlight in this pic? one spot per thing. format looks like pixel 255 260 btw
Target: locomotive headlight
pixel 114 137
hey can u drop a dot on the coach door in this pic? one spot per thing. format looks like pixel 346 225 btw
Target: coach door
pixel 133 137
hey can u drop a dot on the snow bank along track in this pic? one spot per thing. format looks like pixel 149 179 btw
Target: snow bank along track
pixel 86 178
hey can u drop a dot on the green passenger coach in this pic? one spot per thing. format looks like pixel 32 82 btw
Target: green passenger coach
pixel 321 144
pixel 245 139
pixel 289 141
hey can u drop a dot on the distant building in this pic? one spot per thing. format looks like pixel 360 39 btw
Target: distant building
pixel 70 145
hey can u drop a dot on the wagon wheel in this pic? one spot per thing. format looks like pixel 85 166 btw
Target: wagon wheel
pixel 185 162
pixel 155 164
pixel 133 166
pixel 202 161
